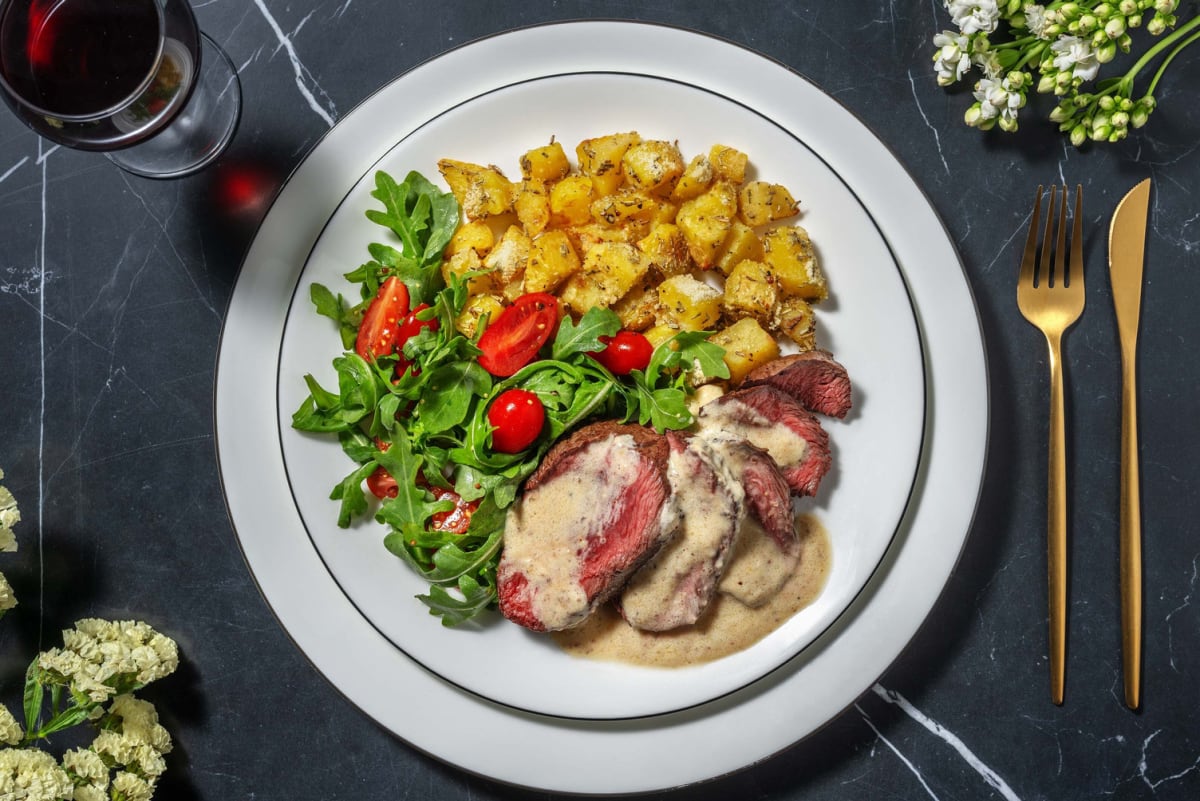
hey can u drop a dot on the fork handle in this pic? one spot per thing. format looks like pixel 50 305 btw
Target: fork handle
pixel 1131 538
pixel 1056 518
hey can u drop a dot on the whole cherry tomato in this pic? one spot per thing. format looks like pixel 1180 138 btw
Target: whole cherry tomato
pixel 381 321
pixel 514 338
pixel 626 351
pixel 518 417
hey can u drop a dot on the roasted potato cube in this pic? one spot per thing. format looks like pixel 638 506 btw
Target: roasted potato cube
pixel 532 205
pixel 468 261
pixel 600 159
pixel 747 346
pixel 653 165
pixel 667 250
pixel 789 253
pixel 509 256
pixel 760 203
pixel 547 163
pixel 480 191
pixel 688 304
pixel 609 271
pixel 637 309
pixel 697 177
pixel 751 291
pixel 794 317
pixel 552 260
pixel 571 200
pixel 659 334
pixel 742 243
pixel 479 311
pixel 624 207
pixel 705 222
pixel 475 235
pixel 729 164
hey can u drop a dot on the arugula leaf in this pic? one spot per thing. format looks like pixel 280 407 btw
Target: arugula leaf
pixel 335 308
pixel 350 493
pixel 424 218
pixel 450 391
pixel 455 610
pixel 584 337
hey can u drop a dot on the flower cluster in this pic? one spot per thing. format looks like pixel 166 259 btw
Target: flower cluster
pixel 99 665
pixel 1059 48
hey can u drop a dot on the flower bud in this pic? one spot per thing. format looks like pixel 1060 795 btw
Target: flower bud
pixel 1053 31
pixel 1134 20
pixel 1107 103
pixel 1069 10
pixel 1088 23
pixel 1148 102
pixel 1046 83
pixel 1166 6
pixel 1103 11
pixel 1118 134
pixel 1102 133
pixel 1125 104
pixel 973 116
pixel 1139 116
pixel 1063 112
pixel 1156 26
pixel 1078 135
pixel 1114 27
pixel 1106 52
pixel 1008 124
pixel 1125 42
pixel 1127 7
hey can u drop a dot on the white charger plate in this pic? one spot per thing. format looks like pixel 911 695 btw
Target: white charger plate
pixel 537 750
pixel 869 324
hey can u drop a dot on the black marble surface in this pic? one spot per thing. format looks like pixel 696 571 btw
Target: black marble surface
pixel 112 292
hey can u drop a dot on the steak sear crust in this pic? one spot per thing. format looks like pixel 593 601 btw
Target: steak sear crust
pixel 813 378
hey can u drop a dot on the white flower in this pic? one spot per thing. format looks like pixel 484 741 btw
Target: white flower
pixel 974 16
pixel 10 515
pixel 139 720
pixel 1036 19
pixel 89 792
pixel 7 599
pixel 27 774
pixel 86 765
pixel 132 788
pixel 950 60
pixel 998 99
pixel 97 655
pixel 1075 55
pixel 989 63
pixel 10 730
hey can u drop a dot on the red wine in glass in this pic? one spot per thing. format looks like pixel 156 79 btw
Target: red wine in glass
pixel 108 75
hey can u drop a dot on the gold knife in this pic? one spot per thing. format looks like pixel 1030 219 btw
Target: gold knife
pixel 1126 249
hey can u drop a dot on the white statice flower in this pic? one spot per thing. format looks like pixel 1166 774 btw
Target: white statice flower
pixel 974 16
pixel 10 730
pixel 10 515
pixel 139 719
pixel 1036 20
pixel 28 774
pixel 1075 55
pixel 99 655
pixel 950 60
pixel 87 767
pixel 132 787
pixel 7 599
pixel 90 792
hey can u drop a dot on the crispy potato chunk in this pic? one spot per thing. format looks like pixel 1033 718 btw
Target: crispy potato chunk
pixel 609 271
pixel 794 317
pixel 532 206
pixel 688 304
pixel 475 235
pixel 760 203
pixel 742 243
pixel 600 159
pixel 751 291
pixel 468 261
pixel 789 253
pixel 479 311
pixel 653 165
pixel 705 222
pixel 695 180
pixel 480 191
pixel 571 200
pixel 667 250
pixel 637 309
pixel 552 260
pixel 624 207
pixel 546 164
pixel 747 346
pixel 509 257
pixel 728 163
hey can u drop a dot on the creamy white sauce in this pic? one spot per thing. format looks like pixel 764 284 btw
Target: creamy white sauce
pixel 736 418
pixel 550 528
pixel 758 568
pixel 726 627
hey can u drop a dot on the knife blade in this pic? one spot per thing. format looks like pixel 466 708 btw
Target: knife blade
pixel 1126 253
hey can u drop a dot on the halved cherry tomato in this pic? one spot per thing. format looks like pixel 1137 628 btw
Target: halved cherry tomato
pixel 456 520
pixel 514 338
pixel 518 417
pixel 411 326
pixel 381 321
pixel 626 351
pixel 382 485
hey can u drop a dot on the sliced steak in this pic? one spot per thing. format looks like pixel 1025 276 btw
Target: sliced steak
pixel 768 497
pixel 675 587
pixel 776 422
pixel 813 378
pixel 599 506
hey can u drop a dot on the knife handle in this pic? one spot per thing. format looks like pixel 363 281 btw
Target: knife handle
pixel 1056 524
pixel 1131 539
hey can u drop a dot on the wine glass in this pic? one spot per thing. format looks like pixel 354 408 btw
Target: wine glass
pixel 134 79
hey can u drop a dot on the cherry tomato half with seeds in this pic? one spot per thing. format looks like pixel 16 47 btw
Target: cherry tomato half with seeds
pixel 381 321
pixel 625 352
pixel 513 339
pixel 456 520
pixel 411 326
pixel 518 417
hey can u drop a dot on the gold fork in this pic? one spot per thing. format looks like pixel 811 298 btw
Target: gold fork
pixel 1051 298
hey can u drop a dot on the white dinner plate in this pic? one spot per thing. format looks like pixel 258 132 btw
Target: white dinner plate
pixel 362 650
pixel 868 323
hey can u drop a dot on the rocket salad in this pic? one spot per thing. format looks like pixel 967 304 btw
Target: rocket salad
pixel 444 428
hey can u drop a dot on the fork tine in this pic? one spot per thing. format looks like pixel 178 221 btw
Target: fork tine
pixel 1076 270
pixel 1060 257
pixel 1044 274
pixel 1029 258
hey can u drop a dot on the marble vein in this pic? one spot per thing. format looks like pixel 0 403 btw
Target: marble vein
pixel 989 776
pixel 937 139
pixel 41 444
pixel 1144 766
pixel 1187 601
pixel 13 168
pixel 297 66
pixel 907 762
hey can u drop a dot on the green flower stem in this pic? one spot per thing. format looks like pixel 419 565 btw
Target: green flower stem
pixel 1159 47
pixel 1163 67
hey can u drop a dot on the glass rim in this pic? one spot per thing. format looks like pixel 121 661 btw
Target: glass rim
pixel 116 108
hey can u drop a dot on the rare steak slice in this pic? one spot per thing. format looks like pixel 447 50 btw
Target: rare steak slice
pixel 768 497
pixel 774 421
pixel 812 377
pixel 675 587
pixel 596 510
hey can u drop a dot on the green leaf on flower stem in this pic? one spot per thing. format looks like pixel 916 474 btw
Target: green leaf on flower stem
pixel 33 695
